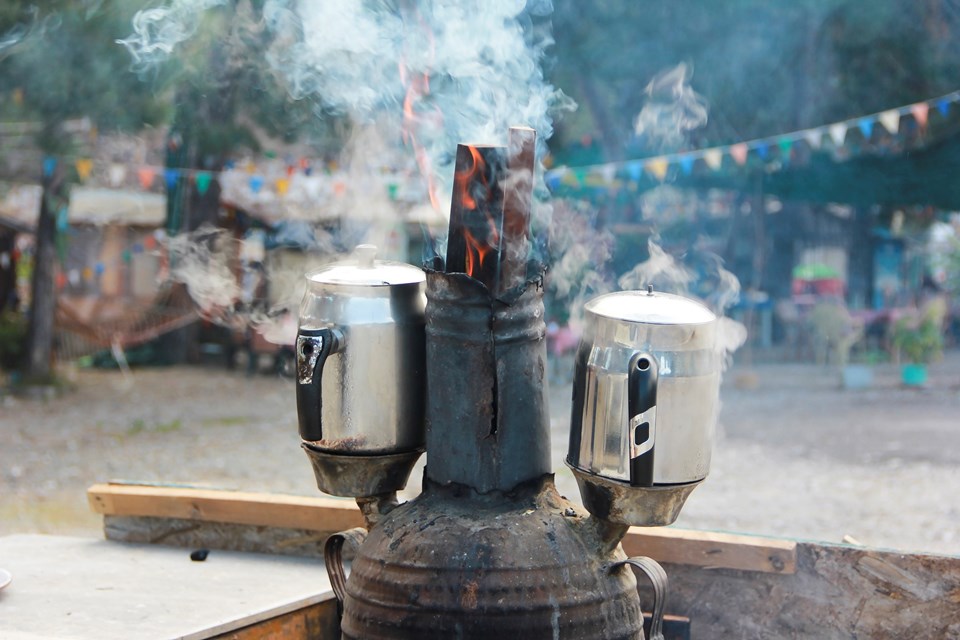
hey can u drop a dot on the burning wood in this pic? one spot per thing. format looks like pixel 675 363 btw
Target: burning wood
pixel 490 211
pixel 476 213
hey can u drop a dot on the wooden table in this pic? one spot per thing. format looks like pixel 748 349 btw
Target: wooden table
pixel 79 588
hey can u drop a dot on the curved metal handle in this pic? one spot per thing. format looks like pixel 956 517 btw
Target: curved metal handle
pixel 658 577
pixel 333 558
pixel 642 380
pixel 313 347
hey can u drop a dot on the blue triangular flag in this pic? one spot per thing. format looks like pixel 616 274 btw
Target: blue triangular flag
pixel 170 176
pixel 686 164
pixel 866 127
pixel 763 150
pixel 943 106
pixel 256 183
pixel 635 170
pixel 552 178
pixel 49 166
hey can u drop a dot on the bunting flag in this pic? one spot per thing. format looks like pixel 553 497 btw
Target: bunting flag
pixel 771 149
pixel 739 153
pixel 838 133
pixel 118 173
pixel 657 168
pixel 256 183
pixel 713 158
pixel 170 177
pixel 785 145
pixel 84 168
pixel 282 185
pixel 146 175
pixel 202 180
pixel 890 121
pixel 814 138
pixel 920 113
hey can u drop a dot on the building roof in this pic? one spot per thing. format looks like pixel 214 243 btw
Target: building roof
pixel 94 206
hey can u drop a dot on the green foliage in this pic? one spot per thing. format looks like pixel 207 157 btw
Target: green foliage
pixel 919 336
pixel 764 67
pixel 65 64
pixel 835 331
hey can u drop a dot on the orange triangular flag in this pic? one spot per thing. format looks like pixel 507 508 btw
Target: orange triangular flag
pixel 146 175
pixel 84 168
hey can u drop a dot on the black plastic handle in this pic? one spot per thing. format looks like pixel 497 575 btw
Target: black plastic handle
pixel 642 417
pixel 313 347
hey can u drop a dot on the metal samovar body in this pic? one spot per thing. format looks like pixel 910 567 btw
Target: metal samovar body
pixel 489 547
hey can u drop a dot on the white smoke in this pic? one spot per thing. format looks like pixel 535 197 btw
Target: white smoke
pixel 710 283
pixel 482 59
pixel 672 109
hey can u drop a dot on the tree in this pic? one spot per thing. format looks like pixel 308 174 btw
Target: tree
pixel 763 67
pixel 61 61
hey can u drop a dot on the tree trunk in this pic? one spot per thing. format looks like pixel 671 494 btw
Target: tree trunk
pixel 43 297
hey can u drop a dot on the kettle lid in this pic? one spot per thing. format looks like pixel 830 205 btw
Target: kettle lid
pixel 362 268
pixel 650 307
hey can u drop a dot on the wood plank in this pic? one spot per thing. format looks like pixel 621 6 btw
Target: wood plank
pixel 211 505
pixel 317 622
pixel 712 550
pixel 838 591
pixel 667 545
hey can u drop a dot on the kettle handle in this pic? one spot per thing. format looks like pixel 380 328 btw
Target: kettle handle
pixel 333 559
pixel 642 380
pixel 313 347
pixel 658 577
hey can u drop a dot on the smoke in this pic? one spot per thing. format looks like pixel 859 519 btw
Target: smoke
pixel 479 61
pixel 417 77
pixel 200 260
pixel 32 29
pixel 672 109
pixel 702 277
pixel 157 31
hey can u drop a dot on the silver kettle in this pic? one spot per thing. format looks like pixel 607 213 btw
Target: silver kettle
pixel 646 395
pixel 361 357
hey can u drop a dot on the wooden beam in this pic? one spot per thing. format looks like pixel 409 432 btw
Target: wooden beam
pixel 211 505
pixel 705 549
pixel 712 550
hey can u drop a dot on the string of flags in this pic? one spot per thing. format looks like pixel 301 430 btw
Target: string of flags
pixel 152 176
pixel 773 153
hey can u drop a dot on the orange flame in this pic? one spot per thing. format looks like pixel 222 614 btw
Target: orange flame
pixel 478 250
pixel 417 87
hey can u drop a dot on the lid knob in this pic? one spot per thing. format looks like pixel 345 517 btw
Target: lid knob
pixel 366 254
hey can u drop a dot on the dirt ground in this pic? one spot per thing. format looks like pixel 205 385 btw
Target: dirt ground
pixel 796 456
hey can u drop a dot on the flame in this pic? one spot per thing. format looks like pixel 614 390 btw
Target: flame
pixel 478 250
pixel 417 88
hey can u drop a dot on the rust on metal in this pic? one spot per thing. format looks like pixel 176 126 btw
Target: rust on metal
pixel 457 564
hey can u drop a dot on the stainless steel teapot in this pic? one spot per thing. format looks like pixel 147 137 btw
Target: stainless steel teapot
pixel 645 397
pixel 361 363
